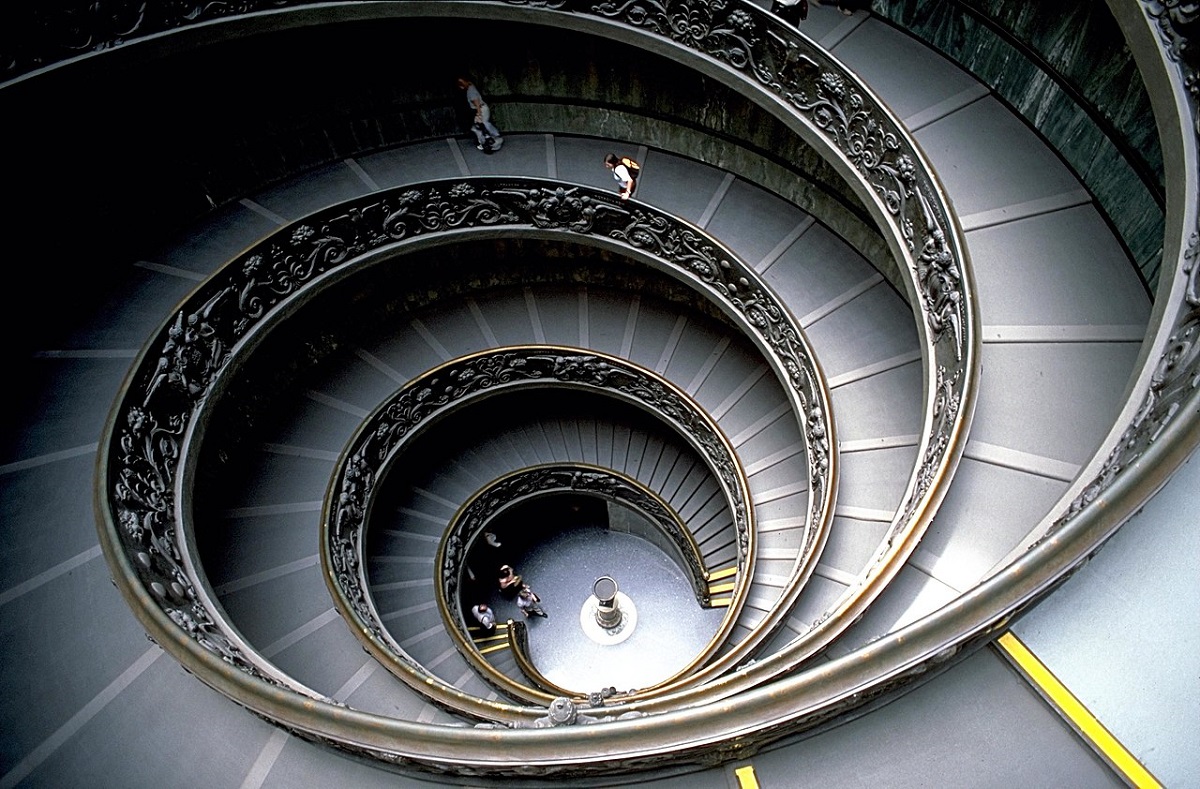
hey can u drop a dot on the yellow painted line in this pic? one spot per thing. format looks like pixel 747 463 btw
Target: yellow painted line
pixel 1092 730
pixel 490 638
pixel 721 588
pixel 717 575
pixel 496 648
pixel 746 777
pixel 721 602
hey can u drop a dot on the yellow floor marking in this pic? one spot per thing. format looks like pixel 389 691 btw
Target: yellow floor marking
pixel 1078 715
pixel 496 648
pixel 746 777
pixel 486 639
pixel 481 630
pixel 720 588
pixel 720 602
pixel 717 575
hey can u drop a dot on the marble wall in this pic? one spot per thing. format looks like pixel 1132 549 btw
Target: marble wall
pixel 1065 68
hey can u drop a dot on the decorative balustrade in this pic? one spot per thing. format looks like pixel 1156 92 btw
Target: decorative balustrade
pixel 155 437
pixel 431 398
pixel 144 476
pixel 473 519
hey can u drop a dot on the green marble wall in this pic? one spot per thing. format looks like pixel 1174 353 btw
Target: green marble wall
pixel 1065 67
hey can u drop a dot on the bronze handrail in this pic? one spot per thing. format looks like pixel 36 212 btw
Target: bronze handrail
pixel 742 46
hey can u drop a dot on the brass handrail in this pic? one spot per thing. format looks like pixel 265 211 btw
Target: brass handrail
pixel 425 401
pixel 488 503
pixel 740 45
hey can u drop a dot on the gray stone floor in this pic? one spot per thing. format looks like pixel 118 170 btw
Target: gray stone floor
pixel 88 696
pixel 671 627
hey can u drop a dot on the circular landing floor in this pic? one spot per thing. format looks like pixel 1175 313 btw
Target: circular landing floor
pixel 671 628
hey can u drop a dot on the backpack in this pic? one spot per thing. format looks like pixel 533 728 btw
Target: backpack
pixel 633 167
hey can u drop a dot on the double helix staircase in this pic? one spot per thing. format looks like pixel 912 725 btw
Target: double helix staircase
pixel 700 355
pixel 1063 316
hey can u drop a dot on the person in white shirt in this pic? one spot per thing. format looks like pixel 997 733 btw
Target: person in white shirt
pixel 625 171
pixel 482 127
pixel 484 616
pixel 791 11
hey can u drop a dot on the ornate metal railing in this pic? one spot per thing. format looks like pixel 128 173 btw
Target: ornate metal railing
pixel 429 399
pixel 145 473
pixel 153 442
pixel 465 528
pixel 473 518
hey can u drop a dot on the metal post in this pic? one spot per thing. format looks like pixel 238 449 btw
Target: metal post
pixel 608 614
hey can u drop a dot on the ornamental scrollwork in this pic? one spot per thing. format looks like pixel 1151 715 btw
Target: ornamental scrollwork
pixel 1178 24
pixel 143 507
pixel 487 503
pixel 947 404
pixel 449 387
pixel 1173 384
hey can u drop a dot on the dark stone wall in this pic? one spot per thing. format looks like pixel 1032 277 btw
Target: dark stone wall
pixel 122 151
pixel 1065 68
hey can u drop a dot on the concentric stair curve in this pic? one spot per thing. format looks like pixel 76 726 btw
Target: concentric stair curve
pixel 762 434
pixel 1061 307
pixel 1039 460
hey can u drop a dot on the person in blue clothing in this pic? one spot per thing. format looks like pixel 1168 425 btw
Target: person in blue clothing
pixel 487 136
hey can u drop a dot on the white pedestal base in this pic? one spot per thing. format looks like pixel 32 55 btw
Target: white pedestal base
pixel 608 635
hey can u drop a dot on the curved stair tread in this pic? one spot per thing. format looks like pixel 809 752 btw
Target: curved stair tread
pixel 70 404
pixel 752 221
pixel 311 191
pixel 95 642
pixel 430 160
pixel 135 302
pixel 849 351
pixel 878 409
pixel 383 694
pixel 355 381
pixel 41 545
pixel 160 680
pixel 241 549
pixel 1062 309
pixel 269 626
pixel 310 422
pixel 702 185
pixel 521 154
pixel 916 82
pixel 214 239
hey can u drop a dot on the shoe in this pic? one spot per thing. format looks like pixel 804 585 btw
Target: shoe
pixel 479 147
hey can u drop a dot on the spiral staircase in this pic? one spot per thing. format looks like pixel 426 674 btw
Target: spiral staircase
pixel 867 416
